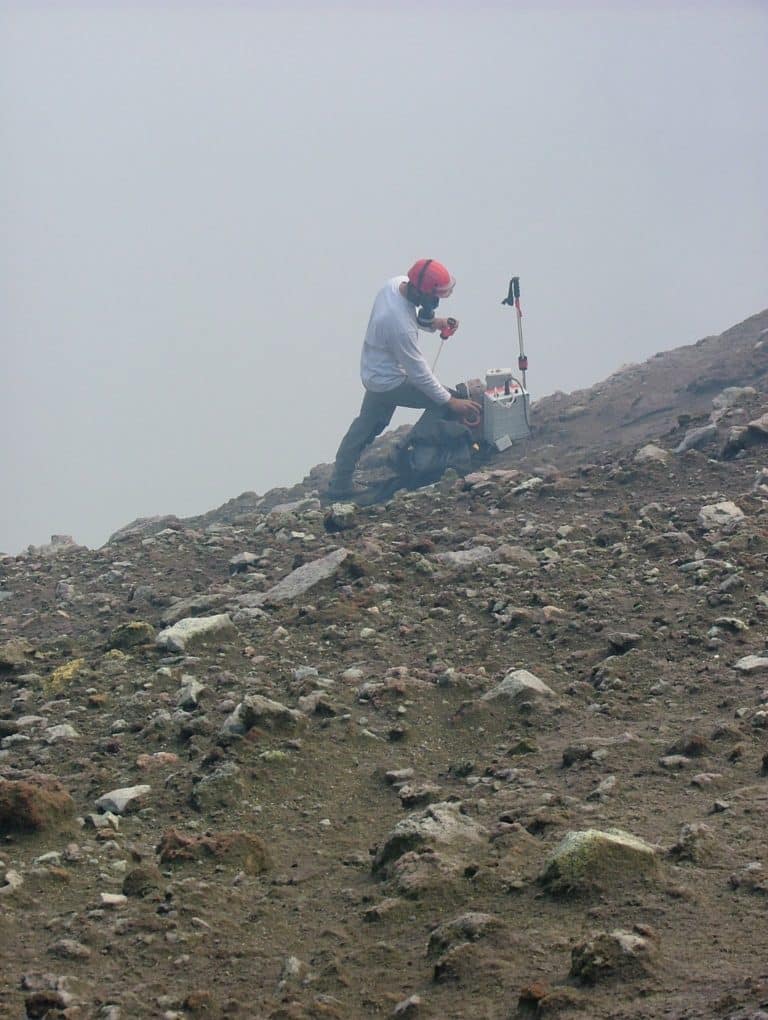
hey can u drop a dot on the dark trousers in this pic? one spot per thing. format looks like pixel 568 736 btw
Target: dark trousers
pixel 375 414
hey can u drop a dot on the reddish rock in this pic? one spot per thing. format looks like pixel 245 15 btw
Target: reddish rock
pixel 33 803
pixel 247 851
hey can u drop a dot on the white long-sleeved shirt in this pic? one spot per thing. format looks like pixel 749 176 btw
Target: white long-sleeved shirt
pixel 391 348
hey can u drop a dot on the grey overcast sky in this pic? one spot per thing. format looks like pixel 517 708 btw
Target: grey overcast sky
pixel 198 202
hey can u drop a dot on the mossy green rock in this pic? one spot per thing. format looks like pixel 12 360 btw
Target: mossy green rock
pixel 131 635
pixel 594 859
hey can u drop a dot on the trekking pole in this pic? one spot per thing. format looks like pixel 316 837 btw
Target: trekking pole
pixel 449 330
pixel 513 300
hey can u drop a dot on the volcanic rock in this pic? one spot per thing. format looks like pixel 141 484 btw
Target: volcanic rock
pixel 33 803
pixel 651 454
pixel 131 635
pixel 463 558
pixel 127 798
pixel 518 685
pixel 263 713
pixel 720 515
pixel 247 851
pixel 440 825
pixel 195 632
pixel 752 664
pixel 299 581
pixel 613 956
pixel 15 653
pixel 593 859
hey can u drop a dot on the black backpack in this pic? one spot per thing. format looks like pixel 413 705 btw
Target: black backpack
pixel 433 445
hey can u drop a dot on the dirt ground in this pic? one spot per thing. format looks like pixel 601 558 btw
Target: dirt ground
pixel 339 812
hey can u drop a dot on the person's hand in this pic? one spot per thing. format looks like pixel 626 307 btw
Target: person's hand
pixel 467 410
pixel 447 326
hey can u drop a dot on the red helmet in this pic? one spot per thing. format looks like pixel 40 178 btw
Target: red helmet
pixel 432 278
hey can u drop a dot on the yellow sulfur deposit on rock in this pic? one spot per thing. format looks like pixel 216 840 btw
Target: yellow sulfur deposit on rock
pixel 63 675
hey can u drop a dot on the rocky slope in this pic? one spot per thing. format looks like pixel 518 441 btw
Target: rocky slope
pixel 495 749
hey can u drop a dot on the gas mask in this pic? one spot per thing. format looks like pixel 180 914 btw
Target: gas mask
pixel 425 305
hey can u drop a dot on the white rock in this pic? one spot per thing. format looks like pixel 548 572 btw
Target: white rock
pixel 528 486
pixel 732 395
pixel 440 824
pixel 52 857
pixel 752 664
pixel 105 821
pixel 190 692
pixel 651 454
pixel 113 901
pixel 519 684
pixel 256 710
pixel 58 544
pixel 298 581
pixel 118 801
pixel 297 506
pixel 62 732
pixel 340 517
pixel 518 555
pixel 12 881
pixel 694 438
pixel 720 515
pixel 195 630
pixel 242 561
pixel 474 557
pixel 759 425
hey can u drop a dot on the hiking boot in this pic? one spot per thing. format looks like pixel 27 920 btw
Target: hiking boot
pixel 343 488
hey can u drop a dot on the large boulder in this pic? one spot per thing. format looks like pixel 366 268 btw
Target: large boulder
pixel 124 800
pixel 195 632
pixel 694 438
pixel 439 825
pixel 463 559
pixel 241 849
pixel 131 635
pixel 298 582
pixel 613 956
pixel 593 859
pixel 752 664
pixel 256 711
pixel 58 544
pixel 467 928
pixel 733 395
pixel 33 803
pixel 14 654
pixel 224 787
pixel 743 437
pixel 721 516
pixel 195 605
pixel 519 685
pixel 651 454
pixel 517 555
pixel 143 526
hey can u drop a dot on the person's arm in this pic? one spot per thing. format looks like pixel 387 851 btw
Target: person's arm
pixel 415 366
pixel 420 374
pixel 439 325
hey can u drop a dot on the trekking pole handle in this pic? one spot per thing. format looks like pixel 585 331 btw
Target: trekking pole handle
pixel 514 291
pixel 450 328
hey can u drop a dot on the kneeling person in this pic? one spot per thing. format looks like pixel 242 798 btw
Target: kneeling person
pixel 394 371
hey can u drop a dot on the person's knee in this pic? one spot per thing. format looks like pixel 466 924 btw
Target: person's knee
pixel 377 427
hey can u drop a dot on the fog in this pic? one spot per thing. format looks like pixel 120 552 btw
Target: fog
pixel 198 203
